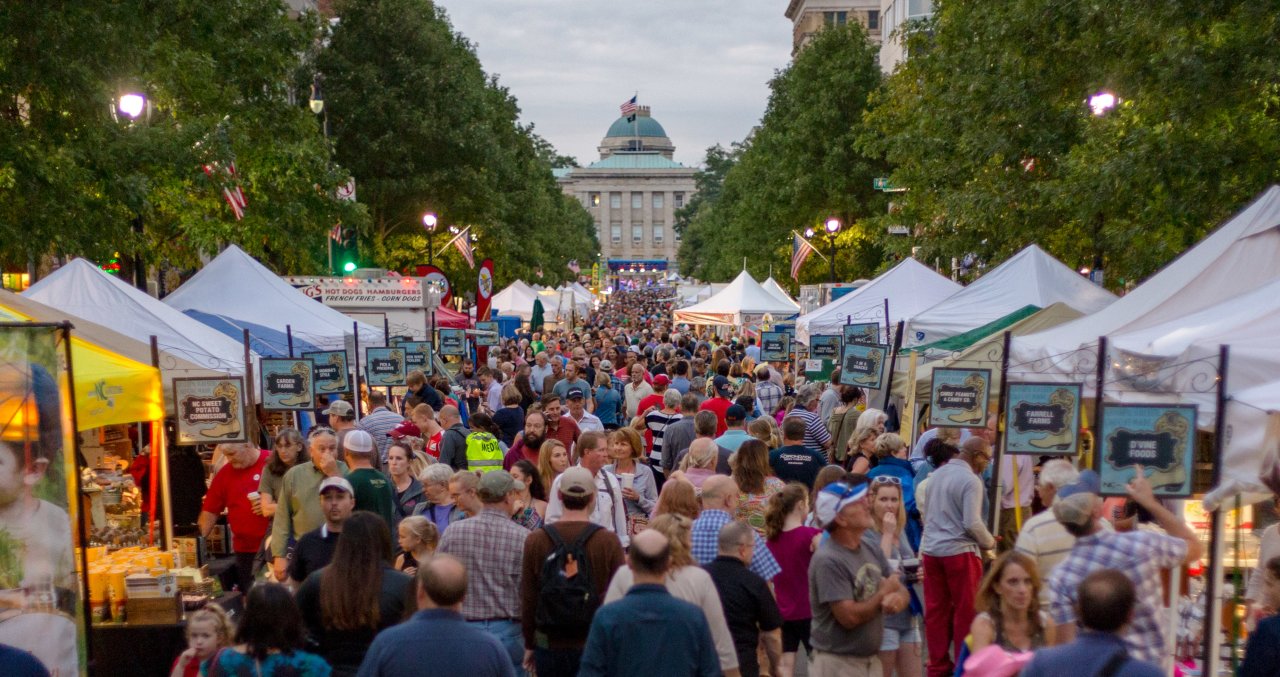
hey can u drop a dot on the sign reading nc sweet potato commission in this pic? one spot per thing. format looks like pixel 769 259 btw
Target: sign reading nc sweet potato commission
pixel 209 410
pixel 1159 438
pixel 958 398
pixel 329 369
pixel 1042 418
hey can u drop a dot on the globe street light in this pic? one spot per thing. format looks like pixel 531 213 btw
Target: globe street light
pixel 429 222
pixel 1102 102
pixel 132 105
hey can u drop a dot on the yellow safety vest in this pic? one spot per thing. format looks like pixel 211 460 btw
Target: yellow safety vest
pixel 483 453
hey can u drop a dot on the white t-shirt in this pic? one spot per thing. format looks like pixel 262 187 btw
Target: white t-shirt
pixel 607 511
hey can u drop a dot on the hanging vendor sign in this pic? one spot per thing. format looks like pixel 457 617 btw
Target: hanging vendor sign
pixel 384 366
pixel 958 398
pixel 209 410
pixel 862 332
pixel 487 334
pixel 824 347
pixel 287 384
pixel 453 341
pixel 775 346
pixel 417 355
pixel 484 289
pixel 329 369
pixel 863 365
pixel 1159 439
pixel 41 597
pixel 1042 418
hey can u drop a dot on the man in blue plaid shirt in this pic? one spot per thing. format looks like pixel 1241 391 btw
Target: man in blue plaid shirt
pixel 719 501
pixel 1141 555
pixel 768 393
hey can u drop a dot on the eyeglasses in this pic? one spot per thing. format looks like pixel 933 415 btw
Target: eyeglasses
pixel 886 479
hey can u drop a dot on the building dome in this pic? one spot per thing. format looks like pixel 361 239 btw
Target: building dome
pixel 643 126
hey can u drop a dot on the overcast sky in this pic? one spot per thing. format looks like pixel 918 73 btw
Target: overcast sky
pixel 702 65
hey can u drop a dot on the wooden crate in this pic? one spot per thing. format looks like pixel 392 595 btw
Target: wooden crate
pixel 153 610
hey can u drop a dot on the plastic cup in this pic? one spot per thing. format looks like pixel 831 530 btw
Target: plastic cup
pixel 628 480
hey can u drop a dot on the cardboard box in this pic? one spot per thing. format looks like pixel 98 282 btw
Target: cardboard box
pixel 153 610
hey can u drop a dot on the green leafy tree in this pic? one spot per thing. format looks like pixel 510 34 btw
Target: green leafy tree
pixel 801 166
pixel 987 126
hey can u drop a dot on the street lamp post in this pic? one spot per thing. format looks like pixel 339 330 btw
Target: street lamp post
pixel 429 222
pixel 131 107
pixel 831 226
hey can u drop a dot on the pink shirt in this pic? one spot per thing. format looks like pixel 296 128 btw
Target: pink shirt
pixel 793 550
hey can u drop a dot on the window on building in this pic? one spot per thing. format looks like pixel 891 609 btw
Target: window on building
pixel 678 199
pixel 676 231
pixel 659 233
pixel 616 234
pixel 873 19
pixel 918 9
pixel 637 200
pixel 658 200
pixel 637 235
pixel 594 200
pixel 615 200
pixel 835 18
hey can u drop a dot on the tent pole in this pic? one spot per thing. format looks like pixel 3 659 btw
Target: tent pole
pixel 251 410
pixel 887 330
pixel 893 365
pixel 994 494
pixel 288 332
pixel 355 329
pixel 76 481
pixel 1217 541
pixel 1100 378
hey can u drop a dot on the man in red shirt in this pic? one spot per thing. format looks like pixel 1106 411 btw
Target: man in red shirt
pixel 235 489
pixel 424 417
pixel 559 426
pixel 719 404
pixel 660 383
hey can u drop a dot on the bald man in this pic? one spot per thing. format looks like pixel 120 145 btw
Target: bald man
pixel 457 648
pixel 624 632
pixel 719 502
pixel 453 443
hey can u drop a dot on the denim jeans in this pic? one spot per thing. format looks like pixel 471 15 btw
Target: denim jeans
pixel 557 662
pixel 509 635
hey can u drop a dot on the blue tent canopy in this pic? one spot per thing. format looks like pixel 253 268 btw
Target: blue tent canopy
pixel 264 341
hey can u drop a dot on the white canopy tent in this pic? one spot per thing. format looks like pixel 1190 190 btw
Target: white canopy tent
pixel 771 285
pixel 1251 461
pixel 235 288
pixel 741 301
pixel 517 299
pixel 909 286
pixel 1240 255
pixel 1030 277
pixel 84 290
pixel 558 304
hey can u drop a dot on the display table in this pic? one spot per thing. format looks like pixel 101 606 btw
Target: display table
pixel 129 649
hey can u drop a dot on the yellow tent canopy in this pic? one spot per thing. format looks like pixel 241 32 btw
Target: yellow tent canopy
pixel 112 384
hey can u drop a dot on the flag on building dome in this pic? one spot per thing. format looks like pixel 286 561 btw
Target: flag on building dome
pixel 629 107
pixel 800 251
pixel 573 265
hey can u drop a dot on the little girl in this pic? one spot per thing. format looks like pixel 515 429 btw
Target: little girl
pixel 208 630
pixel 418 539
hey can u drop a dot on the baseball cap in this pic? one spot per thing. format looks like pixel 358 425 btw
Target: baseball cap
pixel 577 481
pixel 338 408
pixel 358 441
pixel 1076 502
pixel 835 496
pixel 497 483
pixel 735 412
pixel 606 365
pixel 721 385
pixel 661 380
pixel 574 394
pixel 340 483
pixel 406 428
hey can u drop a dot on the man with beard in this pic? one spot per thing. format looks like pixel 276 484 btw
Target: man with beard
pixel 529 442
pixel 470 384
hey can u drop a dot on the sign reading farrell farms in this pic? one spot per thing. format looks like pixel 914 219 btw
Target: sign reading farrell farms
pixel 329 367
pixel 287 384
pixel 385 366
pixel 1042 418
pixel 958 397
pixel 209 410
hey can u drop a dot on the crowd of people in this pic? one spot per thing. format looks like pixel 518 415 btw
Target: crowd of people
pixel 626 499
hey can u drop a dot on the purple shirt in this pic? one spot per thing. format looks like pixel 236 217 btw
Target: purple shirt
pixel 793 551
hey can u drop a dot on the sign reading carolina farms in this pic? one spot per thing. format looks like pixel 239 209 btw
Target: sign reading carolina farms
pixel 1042 418
pixel 209 410
pixel 958 397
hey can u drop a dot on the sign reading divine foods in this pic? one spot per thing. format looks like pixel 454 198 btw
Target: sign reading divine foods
pixel 775 346
pixel 824 347
pixel 209 410
pixel 958 398
pixel 485 339
pixel 862 332
pixel 453 341
pixel 384 366
pixel 1042 418
pixel 863 365
pixel 329 368
pixel 1159 438
pixel 417 355
pixel 287 384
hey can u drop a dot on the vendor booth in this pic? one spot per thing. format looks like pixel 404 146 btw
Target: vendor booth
pixel 905 290
pixel 742 303
pixel 517 299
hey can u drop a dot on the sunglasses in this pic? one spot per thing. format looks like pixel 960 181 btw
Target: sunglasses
pixel 886 479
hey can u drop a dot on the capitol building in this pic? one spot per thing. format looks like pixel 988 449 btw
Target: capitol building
pixel 632 193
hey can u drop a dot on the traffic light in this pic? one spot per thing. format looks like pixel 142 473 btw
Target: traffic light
pixel 349 267
pixel 347 252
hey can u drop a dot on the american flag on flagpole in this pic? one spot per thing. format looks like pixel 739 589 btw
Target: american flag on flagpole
pixel 335 233
pixel 628 107
pixel 463 243
pixel 800 251
pixel 229 182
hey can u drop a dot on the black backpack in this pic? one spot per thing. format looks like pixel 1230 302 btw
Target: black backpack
pixel 566 605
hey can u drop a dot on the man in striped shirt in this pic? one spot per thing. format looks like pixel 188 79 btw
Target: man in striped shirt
pixel 1043 538
pixel 379 422
pixel 816 436
pixel 657 421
